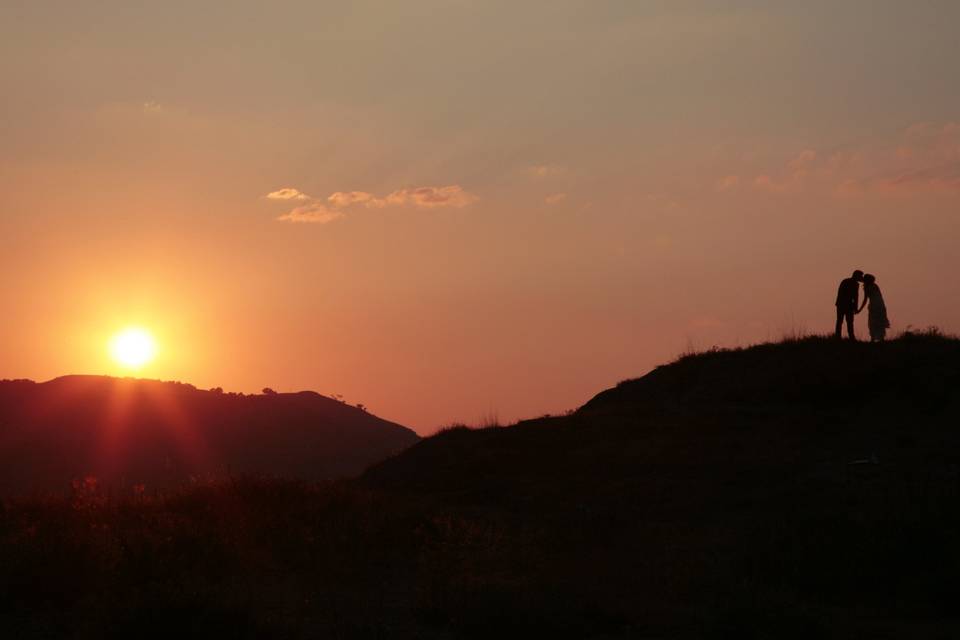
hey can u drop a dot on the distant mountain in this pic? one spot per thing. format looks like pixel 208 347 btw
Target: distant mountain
pixel 127 431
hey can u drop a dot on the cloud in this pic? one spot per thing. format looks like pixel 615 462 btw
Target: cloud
pixel 427 197
pixel 315 212
pixel 931 130
pixel 945 177
pixel 432 197
pixel 335 206
pixel 287 193
pixel 803 161
pixel 555 198
pixel 794 177
pixel 922 158
pixel 346 198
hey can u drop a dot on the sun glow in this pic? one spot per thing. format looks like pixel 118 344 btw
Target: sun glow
pixel 133 347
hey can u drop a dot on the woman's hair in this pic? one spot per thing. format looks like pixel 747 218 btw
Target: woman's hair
pixel 869 278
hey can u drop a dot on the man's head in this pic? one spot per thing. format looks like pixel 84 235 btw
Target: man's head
pixel 858 275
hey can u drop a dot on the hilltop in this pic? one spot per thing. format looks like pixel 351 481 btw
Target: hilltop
pixel 802 408
pixel 128 431
pixel 769 491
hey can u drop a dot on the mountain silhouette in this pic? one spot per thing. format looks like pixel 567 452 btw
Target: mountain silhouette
pixel 128 431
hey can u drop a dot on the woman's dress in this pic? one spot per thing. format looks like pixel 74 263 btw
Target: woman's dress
pixel 876 313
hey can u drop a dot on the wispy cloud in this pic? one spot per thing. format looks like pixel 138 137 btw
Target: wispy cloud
pixel 151 108
pixel 791 178
pixel 944 177
pixel 315 212
pixel 347 198
pixel 337 204
pixel 803 162
pixel 555 198
pixel 287 193
pixel 922 158
pixel 431 197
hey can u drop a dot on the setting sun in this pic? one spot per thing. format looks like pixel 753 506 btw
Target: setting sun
pixel 133 347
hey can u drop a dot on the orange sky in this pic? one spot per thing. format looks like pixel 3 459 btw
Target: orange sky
pixel 476 208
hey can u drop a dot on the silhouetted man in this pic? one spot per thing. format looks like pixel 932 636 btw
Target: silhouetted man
pixel 848 297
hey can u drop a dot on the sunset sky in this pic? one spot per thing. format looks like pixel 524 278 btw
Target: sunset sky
pixel 449 209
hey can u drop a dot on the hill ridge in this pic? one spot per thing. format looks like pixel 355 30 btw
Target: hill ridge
pixel 165 432
pixel 817 397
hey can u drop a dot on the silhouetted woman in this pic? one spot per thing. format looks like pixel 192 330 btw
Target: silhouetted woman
pixel 877 313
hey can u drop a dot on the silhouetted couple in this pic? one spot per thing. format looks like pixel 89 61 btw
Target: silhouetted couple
pixel 848 296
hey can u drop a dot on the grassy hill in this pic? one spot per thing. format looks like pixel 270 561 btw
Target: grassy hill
pixel 794 490
pixel 801 409
pixel 756 489
pixel 127 431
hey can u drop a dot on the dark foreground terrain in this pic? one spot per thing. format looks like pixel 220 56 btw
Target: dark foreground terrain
pixel 799 490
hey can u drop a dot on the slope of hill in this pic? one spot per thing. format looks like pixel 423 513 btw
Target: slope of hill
pixel 800 489
pixel 718 419
pixel 128 431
